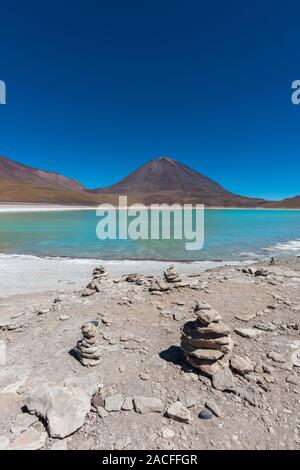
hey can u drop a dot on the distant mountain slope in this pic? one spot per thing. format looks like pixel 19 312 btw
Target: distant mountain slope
pixel 22 174
pixel 289 203
pixel 166 180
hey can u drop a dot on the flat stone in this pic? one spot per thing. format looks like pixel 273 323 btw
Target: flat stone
pixel 179 412
pixel 215 343
pixel 22 423
pixel 12 378
pixel 265 326
pixel 63 408
pixel 211 354
pixel 247 332
pixel 2 353
pixel 202 305
pixel 223 380
pixel 276 357
pixel 246 317
pixel 206 317
pixel 147 404
pixel 29 440
pixel 206 414
pixel 213 407
pixel 114 402
pixel 207 366
pixel 219 328
pixel 127 404
pixel 242 365
pixel 189 397
pixel 60 445
pixel 102 412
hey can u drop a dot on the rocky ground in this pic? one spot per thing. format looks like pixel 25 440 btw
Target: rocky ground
pixel 143 394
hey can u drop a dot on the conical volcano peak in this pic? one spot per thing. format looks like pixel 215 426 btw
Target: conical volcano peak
pixel 166 174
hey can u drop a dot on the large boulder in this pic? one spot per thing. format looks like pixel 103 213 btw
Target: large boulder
pixel 63 408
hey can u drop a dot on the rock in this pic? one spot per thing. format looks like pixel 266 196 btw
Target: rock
pixel 98 401
pixel 179 412
pixel 102 412
pixel 242 365
pixel 167 433
pixel 87 292
pixel 43 311
pixel 12 378
pixel 2 353
pixel 205 317
pixel 60 445
pixel 245 318
pixel 147 404
pixel 29 440
pixel 22 423
pixel 293 379
pixel 223 380
pixel 213 407
pixel 276 357
pixel 206 414
pixel 4 442
pixel 64 317
pixel 189 397
pixel 62 408
pixel 128 404
pixel 99 271
pixel 114 402
pixel 210 354
pixel 296 358
pixel 87 348
pixel 202 305
pixel 247 332
pixel 265 326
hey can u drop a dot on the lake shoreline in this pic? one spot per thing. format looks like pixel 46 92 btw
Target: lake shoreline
pixel 36 207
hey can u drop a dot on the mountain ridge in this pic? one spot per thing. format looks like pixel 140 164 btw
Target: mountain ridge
pixel 160 180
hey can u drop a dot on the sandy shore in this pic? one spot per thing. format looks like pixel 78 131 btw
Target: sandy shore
pixel 21 274
pixel 41 207
pixel 11 208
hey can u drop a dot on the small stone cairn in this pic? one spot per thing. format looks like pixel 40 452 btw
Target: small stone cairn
pixel 134 278
pixel 95 284
pixel 87 348
pixel 206 342
pixel 171 275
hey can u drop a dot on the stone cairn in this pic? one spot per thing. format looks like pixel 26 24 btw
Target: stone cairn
pixel 95 284
pixel 135 278
pixel 206 342
pixel 87 349
pixel 171 275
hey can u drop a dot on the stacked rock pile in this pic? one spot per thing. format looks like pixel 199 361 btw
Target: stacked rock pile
pixel 135 278
pixel 95 284
pixel 206 342
pixel 171 275
pixel 87 349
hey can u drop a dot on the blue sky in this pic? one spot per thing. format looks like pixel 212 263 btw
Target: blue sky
pixel 96 89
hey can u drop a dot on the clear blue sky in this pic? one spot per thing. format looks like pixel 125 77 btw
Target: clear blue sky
pixel 97 88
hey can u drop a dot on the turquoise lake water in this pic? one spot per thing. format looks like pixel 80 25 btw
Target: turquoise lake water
pixel 230 235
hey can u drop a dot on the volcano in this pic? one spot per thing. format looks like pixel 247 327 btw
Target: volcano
pixel 166 180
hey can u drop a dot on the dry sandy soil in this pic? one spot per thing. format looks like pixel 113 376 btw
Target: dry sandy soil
pixel 140 337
